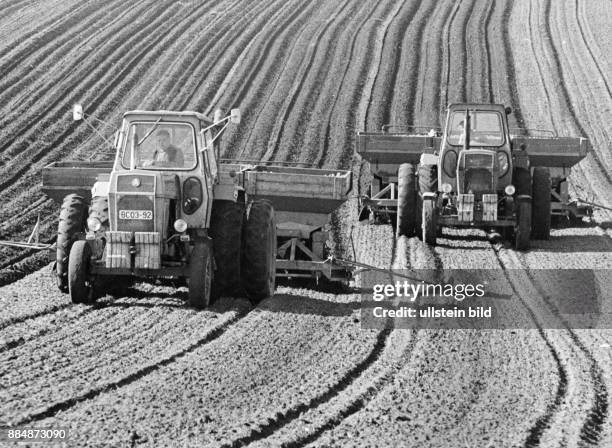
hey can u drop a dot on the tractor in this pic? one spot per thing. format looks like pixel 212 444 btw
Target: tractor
pixel 473 174
pixel 158 213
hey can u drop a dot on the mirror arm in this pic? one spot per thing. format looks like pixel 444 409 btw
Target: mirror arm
pixel 100 121
pixel 216 124
pixel 99 133
pixel 217 134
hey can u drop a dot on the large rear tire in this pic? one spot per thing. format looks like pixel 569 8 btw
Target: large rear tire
pixel 259 251
pixel 521 178
pixel 406 200
pixel 226 224
pixel 427 223
pixel 522 233
pixel 79 281
pixel 540 211
pixel 71 222
pixel 200 275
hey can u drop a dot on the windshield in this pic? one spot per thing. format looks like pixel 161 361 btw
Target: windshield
pixel 486 129
pixel 160 145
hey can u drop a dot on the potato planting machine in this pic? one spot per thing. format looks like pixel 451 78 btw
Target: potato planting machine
pixel 474 173
pixel 167 207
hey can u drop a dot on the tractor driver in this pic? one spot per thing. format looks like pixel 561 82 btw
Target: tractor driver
pixel 167 155
pixel 460 131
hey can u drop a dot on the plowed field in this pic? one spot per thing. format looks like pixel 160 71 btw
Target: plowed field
pixel 144 369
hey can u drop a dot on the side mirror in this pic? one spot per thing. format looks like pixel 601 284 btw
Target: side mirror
pixel 235 116
pixel 508 110
pixel 77 112
pixel 218 116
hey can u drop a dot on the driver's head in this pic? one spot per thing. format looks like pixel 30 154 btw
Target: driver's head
pixel 163 138
pixel 461 125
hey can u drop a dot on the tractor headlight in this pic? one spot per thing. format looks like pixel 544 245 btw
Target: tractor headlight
pixel 192 195
pixel 180 225
pixel 94 224
pixel 509 190
pixel 447 188
pixel 504 163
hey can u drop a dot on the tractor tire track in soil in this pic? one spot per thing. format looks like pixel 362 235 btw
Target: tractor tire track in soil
pixel 598 413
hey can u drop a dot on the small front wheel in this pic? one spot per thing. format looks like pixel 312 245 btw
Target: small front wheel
pixel 79 279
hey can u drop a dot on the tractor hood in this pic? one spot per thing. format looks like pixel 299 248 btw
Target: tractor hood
pixel 139 201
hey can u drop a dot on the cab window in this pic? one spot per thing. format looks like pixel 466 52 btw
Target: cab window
pixel 486 129
pixel 160 146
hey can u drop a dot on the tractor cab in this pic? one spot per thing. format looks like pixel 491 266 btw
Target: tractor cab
pixel 475 152
pixel 163 174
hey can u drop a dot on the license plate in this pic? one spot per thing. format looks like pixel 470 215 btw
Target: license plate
pixel 135 214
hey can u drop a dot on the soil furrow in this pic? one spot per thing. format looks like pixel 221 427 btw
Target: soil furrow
pixel 313 103
pixel 323 152
pixel 46 32
pixel 22 93
pixel 274 140
pixel 447 67
pixel 139 371
pixel 262 42
pixel 367 99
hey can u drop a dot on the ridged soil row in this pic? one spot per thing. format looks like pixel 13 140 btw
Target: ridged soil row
pixel 426 108
pixel 597 14
pixel 230 48
pixel 320 311
pixel 587 88
pixel 294 348
pixel 254 75
pixel 298 351
pixel 42 70
pixel 102 348
pixel 125 368
pixel 572 380
pixel 579 415
pixel 57 135
pixel 350 400
pixel 336 147
pixel 448 258
pixel 403 85
pixel 29 38
pixel 18 16
pixel 97 86
pixel 582 248
pixel 136 93
pixel 378 111
pixel 478 54
pixel 257 97
pixel 312 109
pixel 282 117
pixel 545 96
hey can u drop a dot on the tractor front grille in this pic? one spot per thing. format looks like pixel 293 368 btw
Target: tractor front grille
pixel 478 181
pixel 135 213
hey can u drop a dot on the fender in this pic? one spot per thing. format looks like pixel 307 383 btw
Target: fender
pixel 100 188
pixel 523 198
